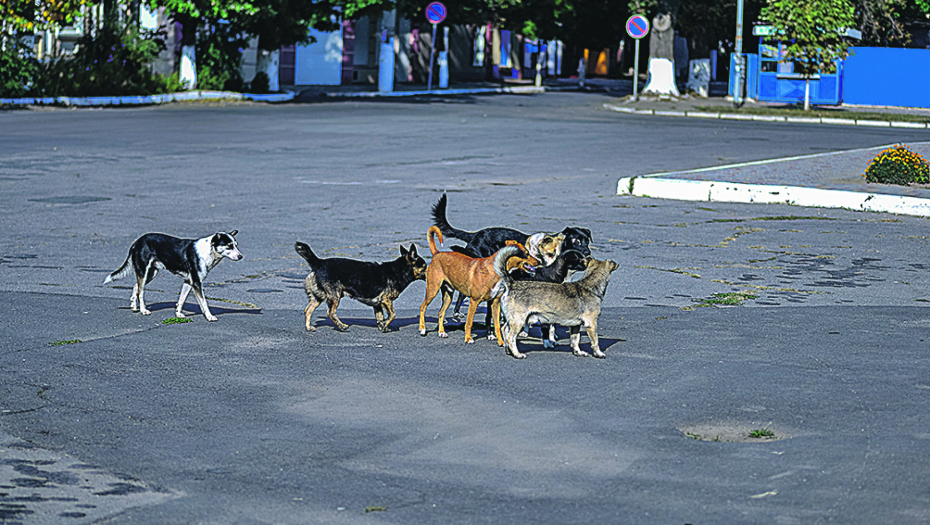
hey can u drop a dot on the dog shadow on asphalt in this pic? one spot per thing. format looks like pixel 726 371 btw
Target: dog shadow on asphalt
pixel 193 310
pixel 366 322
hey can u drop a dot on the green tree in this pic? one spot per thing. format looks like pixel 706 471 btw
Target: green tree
pixel 813 34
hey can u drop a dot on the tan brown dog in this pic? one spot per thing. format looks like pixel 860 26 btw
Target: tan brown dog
pixel 475 278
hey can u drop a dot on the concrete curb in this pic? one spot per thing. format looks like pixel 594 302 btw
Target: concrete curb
pixel 770 118
pixel 715 191
pixel 518 90
pixel 148 99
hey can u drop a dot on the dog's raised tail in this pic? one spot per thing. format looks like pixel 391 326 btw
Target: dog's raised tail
pixel 304 251
pixel 439 219
pixel 120 272
pixel 500 263
pixel 431 234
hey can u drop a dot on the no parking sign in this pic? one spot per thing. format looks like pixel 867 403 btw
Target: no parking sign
pixel 435 13
pixel 637 26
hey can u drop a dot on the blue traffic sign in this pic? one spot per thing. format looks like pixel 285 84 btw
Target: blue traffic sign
pixel 435 12
pixel 637 26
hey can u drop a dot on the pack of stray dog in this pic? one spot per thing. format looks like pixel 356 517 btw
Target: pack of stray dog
pixel 522 277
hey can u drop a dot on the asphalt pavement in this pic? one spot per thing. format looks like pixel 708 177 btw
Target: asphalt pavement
pixel 803 326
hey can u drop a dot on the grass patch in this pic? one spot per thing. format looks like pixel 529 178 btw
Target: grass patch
pixel 65 342
pixel 176 320
pixel 761 433
pixel 375 509
pixel 726 299
pixel 230 301
pixel 797 111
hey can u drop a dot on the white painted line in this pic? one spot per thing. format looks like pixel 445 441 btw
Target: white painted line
pixel 735 116
pixel 714 191
pixel 803 120
pixel 669 113
pixel 840 121
pixel 876 123
pixel 767 161
pixel 914 125
pixel 701 114
pixel 768 118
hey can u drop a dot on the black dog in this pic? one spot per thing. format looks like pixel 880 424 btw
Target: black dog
pixel 486 242
pixel 374 284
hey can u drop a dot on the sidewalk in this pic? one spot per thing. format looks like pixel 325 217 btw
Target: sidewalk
pixel 831 180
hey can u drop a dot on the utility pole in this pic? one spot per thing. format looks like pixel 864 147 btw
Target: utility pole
pixel 738 52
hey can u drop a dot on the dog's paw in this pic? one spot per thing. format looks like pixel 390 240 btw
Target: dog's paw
pixel 518 355
pixel 492 337
pixel 144 311
pixel 179 315
pixel 548 343
pixel 469 341
pixel 580 353
pixel 600 355
pixel 422 332
pixel 443 334
pixel 210 318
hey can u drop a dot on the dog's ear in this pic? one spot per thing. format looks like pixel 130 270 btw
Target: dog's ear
pixel 412 251
pixel 233 233
pixel 587 233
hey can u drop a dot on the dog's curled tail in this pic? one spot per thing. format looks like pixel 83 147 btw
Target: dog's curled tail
pixel 120 272
pixel 439 219
pixel 431 233
pixel 500 263
pixel 304 251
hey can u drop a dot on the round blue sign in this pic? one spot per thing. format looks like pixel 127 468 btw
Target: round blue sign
pixel 435 12
pixel 637 26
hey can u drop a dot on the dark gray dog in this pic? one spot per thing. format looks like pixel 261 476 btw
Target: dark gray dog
pixel 570 304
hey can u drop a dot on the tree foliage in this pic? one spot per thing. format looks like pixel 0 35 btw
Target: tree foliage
pixel 812 31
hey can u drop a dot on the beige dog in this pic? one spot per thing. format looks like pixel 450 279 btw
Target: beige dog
pixel 571 304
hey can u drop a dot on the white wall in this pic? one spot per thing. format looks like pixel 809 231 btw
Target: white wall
pixel 320 63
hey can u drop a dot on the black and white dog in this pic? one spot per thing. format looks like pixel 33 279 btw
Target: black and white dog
pixel 189 259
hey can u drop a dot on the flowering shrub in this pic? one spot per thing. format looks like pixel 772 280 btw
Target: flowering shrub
pixel 106 65
pixel 898 165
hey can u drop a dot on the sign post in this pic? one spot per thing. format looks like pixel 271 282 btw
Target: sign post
pixel 435 14
pixel 637 26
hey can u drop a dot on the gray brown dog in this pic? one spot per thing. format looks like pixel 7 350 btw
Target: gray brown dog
pixel 571 304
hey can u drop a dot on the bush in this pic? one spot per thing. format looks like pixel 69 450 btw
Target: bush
pixel 108 65
pixel 261 84
pixel 18 69
pixel 219 54
pixel 898 165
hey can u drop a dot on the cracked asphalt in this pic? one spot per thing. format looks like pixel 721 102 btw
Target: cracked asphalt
pixel 109 416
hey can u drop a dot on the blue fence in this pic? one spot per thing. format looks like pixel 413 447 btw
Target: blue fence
pixel 884 76
pixel 870 76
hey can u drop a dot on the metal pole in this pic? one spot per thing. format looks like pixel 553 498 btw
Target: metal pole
pixel 738 51
pixel 636 71
pixel 432 51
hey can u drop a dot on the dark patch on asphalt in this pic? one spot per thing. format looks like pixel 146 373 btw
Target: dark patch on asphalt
pixel 71 199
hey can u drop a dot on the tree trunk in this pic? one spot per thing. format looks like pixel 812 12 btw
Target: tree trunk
pixel 807 94
pixel 662 57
